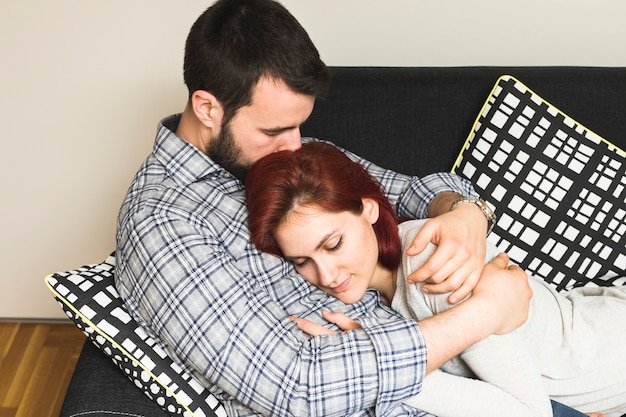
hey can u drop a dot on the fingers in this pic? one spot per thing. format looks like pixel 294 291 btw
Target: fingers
pixel 440 266
pixel 340 319
pixel 465 289
pixel 458 274
pixel 453 260
pixel 311 328
pixel 422 239
pixel 501 260
pixel 460 284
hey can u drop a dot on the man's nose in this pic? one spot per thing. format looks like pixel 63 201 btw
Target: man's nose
pixel 290 141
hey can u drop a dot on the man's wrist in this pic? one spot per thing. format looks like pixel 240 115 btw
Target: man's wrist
pixel 482 205
pixel 442 202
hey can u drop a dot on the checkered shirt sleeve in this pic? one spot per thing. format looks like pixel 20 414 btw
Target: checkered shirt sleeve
pixel 188 273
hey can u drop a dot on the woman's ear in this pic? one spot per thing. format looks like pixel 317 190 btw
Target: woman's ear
pixel 207 109
pixel 371 210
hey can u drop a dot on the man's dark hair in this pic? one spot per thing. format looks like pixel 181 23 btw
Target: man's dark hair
pixel 236 42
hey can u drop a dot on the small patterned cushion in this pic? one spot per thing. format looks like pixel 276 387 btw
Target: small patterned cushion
pixel 88 297
pixel 559 190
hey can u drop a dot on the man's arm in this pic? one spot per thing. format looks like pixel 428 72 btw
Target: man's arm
pixel 459 234
pixel 222 325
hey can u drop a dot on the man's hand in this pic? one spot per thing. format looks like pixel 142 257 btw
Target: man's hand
pixel 459 258
pixel 340 319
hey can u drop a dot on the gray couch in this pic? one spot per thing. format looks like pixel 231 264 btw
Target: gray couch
pixel 414 120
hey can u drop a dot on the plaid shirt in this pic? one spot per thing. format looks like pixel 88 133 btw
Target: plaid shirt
pixel 189 274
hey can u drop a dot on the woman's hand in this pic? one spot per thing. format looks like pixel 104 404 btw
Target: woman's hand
pixel 506 289
pixel 456 265
pixel 344 322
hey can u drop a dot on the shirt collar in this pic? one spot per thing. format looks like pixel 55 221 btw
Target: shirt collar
pixel 184 162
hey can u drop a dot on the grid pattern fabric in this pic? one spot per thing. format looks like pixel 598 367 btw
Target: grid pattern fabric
pixel 559 190
pixel 88 296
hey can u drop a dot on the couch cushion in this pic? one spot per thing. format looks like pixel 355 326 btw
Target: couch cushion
pixel 89 297
pixel 415 119
pixel 558 189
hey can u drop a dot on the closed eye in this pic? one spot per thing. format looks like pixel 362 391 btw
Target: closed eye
pixel 299 263
pixel 337 246
pixel 277 131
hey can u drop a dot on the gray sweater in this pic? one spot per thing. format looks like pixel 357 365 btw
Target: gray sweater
pixel 572 349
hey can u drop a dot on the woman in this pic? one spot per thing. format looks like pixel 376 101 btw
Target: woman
pixel 324 213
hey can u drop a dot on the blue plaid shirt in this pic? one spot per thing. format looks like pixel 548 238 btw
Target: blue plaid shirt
pixel 189 274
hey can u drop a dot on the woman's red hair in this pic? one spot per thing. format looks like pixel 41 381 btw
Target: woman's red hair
pixel 316 174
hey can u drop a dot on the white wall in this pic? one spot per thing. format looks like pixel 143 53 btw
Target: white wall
pixel 83 84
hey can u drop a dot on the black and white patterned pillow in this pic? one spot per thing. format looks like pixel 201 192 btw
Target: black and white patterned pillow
pixel 89 297
pixel 559 190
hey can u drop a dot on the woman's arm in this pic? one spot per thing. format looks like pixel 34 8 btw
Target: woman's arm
pixel 516 393
pixel 502 362
pixel 447 395
pixel 499 305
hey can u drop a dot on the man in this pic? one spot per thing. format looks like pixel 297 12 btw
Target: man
pixel 188 273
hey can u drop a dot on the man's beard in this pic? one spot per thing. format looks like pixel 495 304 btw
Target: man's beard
pixel 225 152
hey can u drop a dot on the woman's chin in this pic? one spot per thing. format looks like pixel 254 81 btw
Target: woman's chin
pixel 349 298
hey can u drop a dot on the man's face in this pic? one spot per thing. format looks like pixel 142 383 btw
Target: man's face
pixel 271 123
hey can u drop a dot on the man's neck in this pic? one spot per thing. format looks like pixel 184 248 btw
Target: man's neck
pixel 191 130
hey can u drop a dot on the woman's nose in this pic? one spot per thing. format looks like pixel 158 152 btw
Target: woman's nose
pixel 327 273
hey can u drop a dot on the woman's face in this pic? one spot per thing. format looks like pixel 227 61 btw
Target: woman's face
pixel 336 252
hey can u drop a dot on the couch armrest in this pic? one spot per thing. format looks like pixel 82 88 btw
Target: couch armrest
pixel 99 389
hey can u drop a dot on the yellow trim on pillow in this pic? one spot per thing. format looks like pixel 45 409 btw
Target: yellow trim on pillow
pixel 473 129
pixel 117 346
pixel 486 103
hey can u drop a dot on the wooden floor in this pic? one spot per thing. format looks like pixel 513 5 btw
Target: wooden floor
pixel 36 365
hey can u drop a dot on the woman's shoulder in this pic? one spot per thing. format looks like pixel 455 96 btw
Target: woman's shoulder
pixel 409 229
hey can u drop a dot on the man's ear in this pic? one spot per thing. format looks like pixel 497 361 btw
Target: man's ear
pixel 371 209
pixel 207 109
